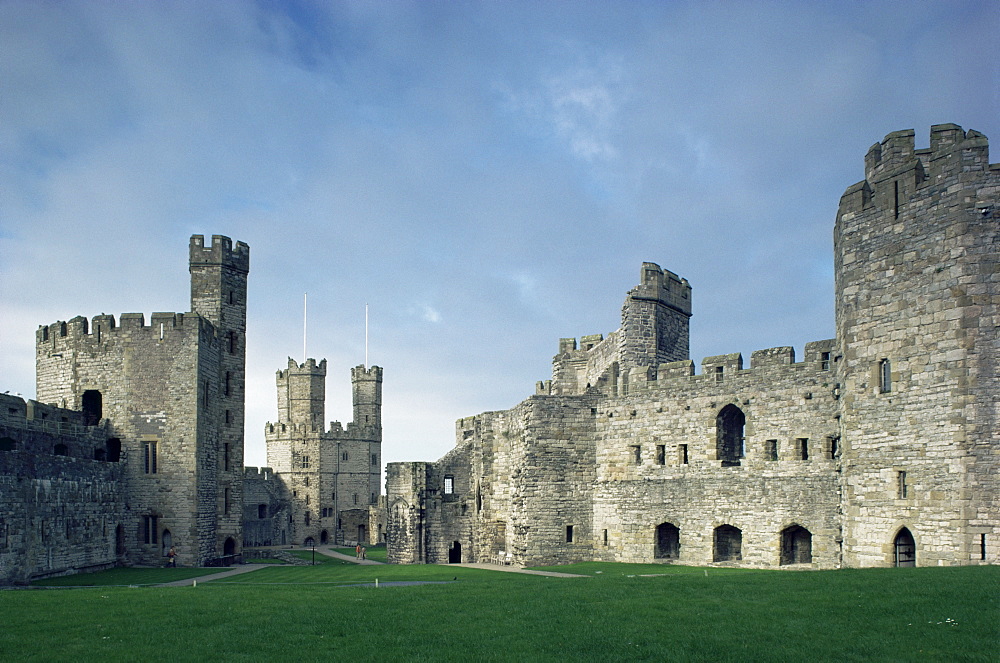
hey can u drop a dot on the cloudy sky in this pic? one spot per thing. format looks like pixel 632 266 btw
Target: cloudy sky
pixel 487 176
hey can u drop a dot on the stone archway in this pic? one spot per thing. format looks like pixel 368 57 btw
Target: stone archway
pixel 904 549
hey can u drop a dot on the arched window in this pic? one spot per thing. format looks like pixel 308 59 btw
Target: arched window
pixel 796 545
pixel 728 544
pixel 729 435
pixel 667 542
pixel 904 549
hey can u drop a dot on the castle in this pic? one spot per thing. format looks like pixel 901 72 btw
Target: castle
pixel 135 441
pixel 880 447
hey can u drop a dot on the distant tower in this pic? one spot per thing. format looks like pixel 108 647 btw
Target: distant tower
pixel 366 384
pixel 916 257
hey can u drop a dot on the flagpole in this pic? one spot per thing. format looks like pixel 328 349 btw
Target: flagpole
pixel 305 297
pixel 366 336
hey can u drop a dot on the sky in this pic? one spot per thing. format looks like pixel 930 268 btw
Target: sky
pixel 487 177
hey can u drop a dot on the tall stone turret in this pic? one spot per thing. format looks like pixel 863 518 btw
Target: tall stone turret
pixel 917 308
pixel 366 387
pixel 302 393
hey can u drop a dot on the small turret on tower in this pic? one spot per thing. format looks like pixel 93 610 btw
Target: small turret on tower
pixel 302 393
pixel 366 385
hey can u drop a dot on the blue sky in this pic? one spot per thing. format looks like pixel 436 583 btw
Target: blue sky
pixel 487 177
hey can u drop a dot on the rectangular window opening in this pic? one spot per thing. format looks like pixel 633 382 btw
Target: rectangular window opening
pixel 719 373
pixel 885 376
pixel 682 454
pixel 825 361
pixel 802 446
pixel 901 487
pixel 771 449
pixel 636 452
pixel 982 547
pixel 661 454
pixel 569 534
pixel 605 537
pixel 225 456
pixel 449 485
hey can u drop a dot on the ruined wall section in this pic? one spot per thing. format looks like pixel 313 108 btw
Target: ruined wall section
pixel 61 510
pixel 406 486
pixel 658 459
pixel 266 509
pixel 916 286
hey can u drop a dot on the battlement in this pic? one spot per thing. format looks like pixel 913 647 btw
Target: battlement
pixel 79 328
pixel 263 473
pixel 309 367
pixel 219 252
pixel 663 286
pixel 33 427
pixel 360 372
pixel 897 152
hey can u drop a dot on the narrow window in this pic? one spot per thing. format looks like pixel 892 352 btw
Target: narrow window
pixel 825 361
pixel 895 196
pixel 373 500
pixel 229 417
pixel 606 538
pixel 304 462
pixel 344 457
pixel 261 511
pixel 307 482
pixel 901 484
pixel 834 446
pixel 161 331
pixel 149 527
pixel 802 447
pixel 149 458
pixel 62 328
pixel 636 452
pixel 355 498
pixel 374 460
pixel 225 456
pixel 45 333
pixel 771 450
pixel 569 534
pixel 308 518
pixel 682 454
pixel 232 342
pixel 982 547
pixel 227 500
pixel 449 485
pixel 885 376
pixel 226 389
pixel 307 499
pixel 718 373
pixel 333 497
pixel 205 399
pixel 661 454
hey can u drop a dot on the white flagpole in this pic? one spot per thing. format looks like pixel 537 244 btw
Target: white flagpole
pixel 366 336
pixel 305 297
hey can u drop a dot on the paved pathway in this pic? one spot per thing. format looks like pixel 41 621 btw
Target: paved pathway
pixel 232 571
pixel 517 569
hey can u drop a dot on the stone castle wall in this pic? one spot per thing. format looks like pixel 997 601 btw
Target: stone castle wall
pixel 880 448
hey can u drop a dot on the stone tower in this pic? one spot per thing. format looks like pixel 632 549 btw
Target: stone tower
pixel 916 263
pixel 172 396
pixel 333 476
pixel 655 327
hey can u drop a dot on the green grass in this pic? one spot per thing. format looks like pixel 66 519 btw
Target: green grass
pixel 264 560
pixel 376 553
pixel 295 613
pixel 131 576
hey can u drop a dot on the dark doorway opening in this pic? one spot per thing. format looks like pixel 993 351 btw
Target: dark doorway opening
pixel 728 544
pixel 904 549
pixel 455 553
pixel 796 545
pixel 92 406
pixel 668 544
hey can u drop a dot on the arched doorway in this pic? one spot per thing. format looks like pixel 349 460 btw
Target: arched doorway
pixel 324 537
pixel 455 553
pixel 362 531
pixel 729 435
pixel 728 544
pixel 168 541
pixel 796 545
pixel 667 545
pixel 309 542
pixel 229 547
pixel 904 549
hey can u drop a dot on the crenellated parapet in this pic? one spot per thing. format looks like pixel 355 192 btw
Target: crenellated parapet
pixel 103 328
pixel 220 252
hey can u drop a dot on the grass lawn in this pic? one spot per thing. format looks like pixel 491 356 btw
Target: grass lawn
pixel 619 612
pixel 130 576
